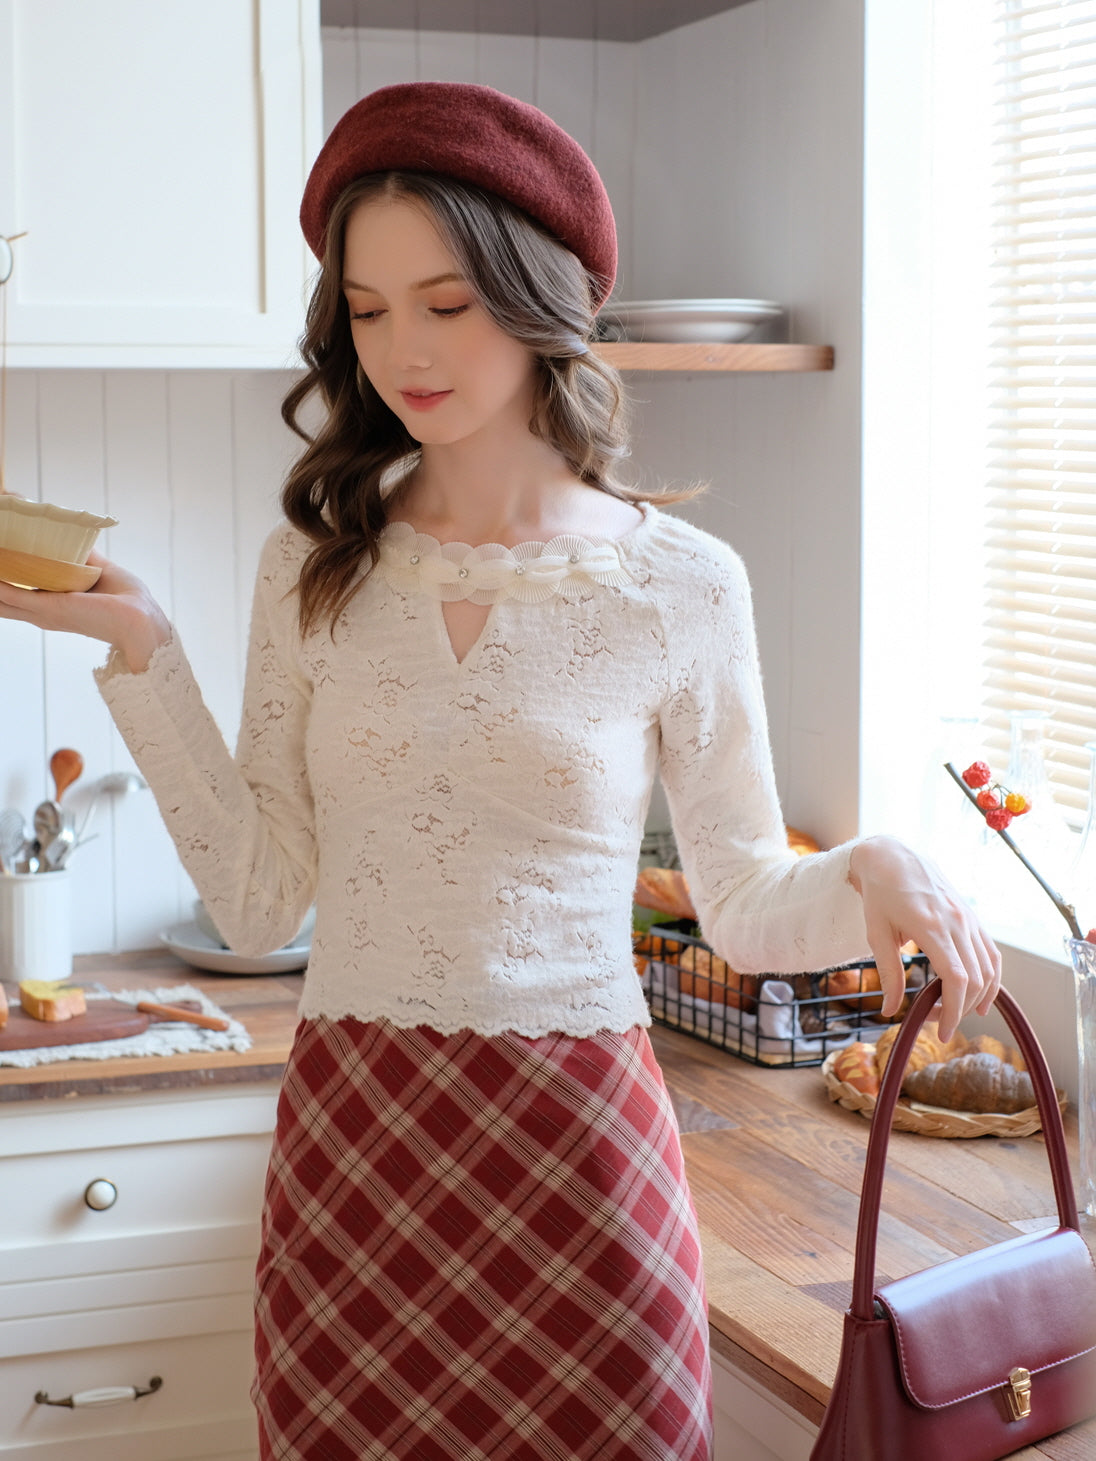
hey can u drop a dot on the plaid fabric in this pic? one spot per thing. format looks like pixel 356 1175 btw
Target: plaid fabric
pixel 478 1248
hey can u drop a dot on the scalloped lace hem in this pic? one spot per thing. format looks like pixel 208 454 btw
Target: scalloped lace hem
pixel 529 1029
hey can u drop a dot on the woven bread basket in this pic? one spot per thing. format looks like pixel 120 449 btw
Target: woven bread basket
pixel 933 1120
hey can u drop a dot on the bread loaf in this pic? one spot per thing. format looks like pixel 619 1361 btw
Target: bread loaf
pixel 45 1001
pixel 976 1082
pixel 801 843
pixel 856 1066
pixel 664 889
pixel 703 975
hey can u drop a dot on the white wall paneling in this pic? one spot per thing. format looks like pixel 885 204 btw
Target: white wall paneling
pixel 750 136
pixel 190 463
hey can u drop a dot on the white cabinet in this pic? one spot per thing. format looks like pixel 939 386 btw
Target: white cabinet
pixel 157 1285
pixel 155 155
pixel 752 1424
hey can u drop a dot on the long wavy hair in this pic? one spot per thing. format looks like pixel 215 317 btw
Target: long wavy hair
pixel 343 487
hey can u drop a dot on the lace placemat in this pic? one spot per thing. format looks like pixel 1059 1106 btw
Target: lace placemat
pixel 161 1037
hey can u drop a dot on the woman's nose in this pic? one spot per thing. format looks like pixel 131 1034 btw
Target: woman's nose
pixel 408 343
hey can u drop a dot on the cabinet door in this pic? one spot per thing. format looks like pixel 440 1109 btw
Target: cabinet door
pixel 154 155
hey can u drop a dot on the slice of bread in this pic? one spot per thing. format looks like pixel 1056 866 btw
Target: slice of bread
pixel 45 1001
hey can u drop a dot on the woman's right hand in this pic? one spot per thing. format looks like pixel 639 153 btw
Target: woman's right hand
pixel 118 610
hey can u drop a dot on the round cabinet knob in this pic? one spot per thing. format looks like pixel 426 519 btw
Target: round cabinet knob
pixel 101 1194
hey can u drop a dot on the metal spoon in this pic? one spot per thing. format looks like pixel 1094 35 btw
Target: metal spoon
pixel 115 783
pixel 12 837
pixel 47 821
pixel 56 848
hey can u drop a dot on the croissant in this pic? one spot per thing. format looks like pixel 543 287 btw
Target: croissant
pixel 928 1048
pixel 978 1082
pixel 856 1066
pixel 990 1045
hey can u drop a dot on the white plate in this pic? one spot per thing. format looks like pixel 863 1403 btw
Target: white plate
pixel 187 942
pixel 689 321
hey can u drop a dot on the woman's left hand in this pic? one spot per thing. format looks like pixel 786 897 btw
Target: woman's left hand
pixel 907 897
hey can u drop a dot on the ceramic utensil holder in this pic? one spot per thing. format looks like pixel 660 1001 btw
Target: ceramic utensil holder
pixel 1083 958
pixel 35 926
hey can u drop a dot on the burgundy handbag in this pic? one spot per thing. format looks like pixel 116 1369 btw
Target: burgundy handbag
pixel 981 1355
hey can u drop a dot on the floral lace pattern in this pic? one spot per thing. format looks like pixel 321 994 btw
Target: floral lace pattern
pixel 530 572
pixel 470 833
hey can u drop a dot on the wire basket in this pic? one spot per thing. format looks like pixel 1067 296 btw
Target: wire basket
pixel 768 1019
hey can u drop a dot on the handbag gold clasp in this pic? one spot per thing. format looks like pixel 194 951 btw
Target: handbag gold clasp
pixel 1018 1393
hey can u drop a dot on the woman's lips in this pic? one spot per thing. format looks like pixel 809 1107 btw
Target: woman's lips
pixel 424 400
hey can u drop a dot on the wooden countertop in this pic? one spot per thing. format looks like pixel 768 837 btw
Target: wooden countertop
pixel 774 1167
pixel 267 1007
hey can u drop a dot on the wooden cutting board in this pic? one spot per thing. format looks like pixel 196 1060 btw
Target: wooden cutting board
pixel 106 1019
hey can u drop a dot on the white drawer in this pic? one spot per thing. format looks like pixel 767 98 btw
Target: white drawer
pixel 161 1187
pixel 117 1308
pixel 201 1410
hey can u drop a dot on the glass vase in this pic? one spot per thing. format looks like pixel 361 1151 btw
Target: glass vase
pixel 1043 834
pixel 1082 883
pixel 1083 958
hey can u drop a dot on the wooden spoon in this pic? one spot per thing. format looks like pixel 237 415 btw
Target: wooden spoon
pixel 66 766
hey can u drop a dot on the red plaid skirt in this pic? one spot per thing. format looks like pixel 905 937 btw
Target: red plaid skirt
pixel 478 1249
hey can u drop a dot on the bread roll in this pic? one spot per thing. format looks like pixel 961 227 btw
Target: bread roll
pixel 978 1082
pixel 856 1066
pixel 856 988
pixel 704 975
pixel 45 1001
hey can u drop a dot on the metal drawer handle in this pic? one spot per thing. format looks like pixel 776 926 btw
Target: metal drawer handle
pixel 109 1395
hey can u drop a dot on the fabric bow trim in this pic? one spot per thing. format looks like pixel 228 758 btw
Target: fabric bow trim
pixel 529 573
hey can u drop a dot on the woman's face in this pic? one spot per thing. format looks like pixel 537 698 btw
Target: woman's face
pixel 430 350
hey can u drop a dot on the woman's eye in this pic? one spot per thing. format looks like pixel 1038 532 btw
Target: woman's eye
pixel 451 312
pixel 366 314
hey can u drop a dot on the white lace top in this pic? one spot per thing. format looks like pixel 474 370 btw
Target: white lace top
pixel 470 830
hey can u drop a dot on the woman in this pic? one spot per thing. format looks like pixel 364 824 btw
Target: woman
pixel 470 649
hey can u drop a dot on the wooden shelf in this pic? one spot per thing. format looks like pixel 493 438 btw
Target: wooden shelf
pixel 628 356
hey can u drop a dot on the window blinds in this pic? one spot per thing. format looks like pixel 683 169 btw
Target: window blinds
pixel 1041 528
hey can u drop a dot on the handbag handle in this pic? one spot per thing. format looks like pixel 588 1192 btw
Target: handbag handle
pixel 863 1284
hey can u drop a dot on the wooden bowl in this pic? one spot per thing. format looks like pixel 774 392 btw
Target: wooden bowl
pixel 27 570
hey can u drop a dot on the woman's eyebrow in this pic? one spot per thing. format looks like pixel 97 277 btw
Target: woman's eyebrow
pixel 421 284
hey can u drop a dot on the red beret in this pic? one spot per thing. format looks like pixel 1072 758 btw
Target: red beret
pixel 482 136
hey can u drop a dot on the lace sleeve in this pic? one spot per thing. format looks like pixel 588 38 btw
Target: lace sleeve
pixel 243 826
pixel 762 908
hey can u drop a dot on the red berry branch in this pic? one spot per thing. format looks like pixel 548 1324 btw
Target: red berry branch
pixel 998 803
pixel 999 806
